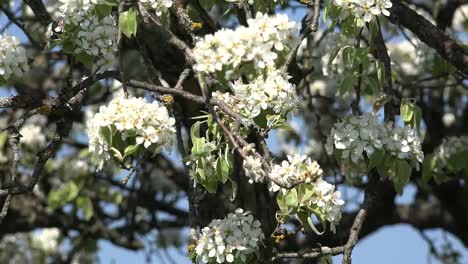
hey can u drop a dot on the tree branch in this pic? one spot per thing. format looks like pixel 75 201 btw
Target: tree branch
pixel 433 36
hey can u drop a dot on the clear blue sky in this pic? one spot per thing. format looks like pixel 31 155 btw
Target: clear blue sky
pixel 393 244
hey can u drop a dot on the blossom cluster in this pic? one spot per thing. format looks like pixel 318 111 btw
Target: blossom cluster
pixel 261 43
pixel 357 136
pixel 450 147
pixel 46 240
pixel 132 121
pixel 328 202
pixel 97 38
pixel 253 169
pixel 13 61
pixel 249 100
pixel 92 35
pixel 32 136
pixel 237 237
pixel 297 169
pixel 365 8
pixel 158 5
pixel 324 201
pixel 69 9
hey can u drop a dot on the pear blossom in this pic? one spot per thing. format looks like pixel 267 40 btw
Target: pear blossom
pixel 327 202
pixel 158 5
pixel 96 38
pixel 449 148
pixel 93 38
pixel 46 240
pixel 273 92
pixel 237 237
pixel 253 169
pixel 13 60
pixel 32 136
pixel 135 121
pixel 297 169
pixel 262 43
pixel 357 136
pixel 365 8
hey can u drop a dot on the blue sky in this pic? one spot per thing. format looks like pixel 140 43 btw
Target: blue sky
pixel 389 245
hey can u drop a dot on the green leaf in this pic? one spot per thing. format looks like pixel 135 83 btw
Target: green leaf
pixel 60 197
pixel 128 23
pixel 376 158
pixel 347 55
pixel 334 53
pixel 195 131
pixel 406 110
pixel 417 117
pixel 402 175
pixel 86 204
pixel 306 191
pixel 111 2
pixel 106 133
pixel 380 67
pixel 3 139
pixel 198 148
pixel 303 217
pixel 234 190
pixel 85 58
pixel 117 154
pixel 222 170
pixel 373 28
pixel 346 83
pixel 291 198
pixel 282 205
pixel 428 167
pixel 131 150
pixel 103 10
pixel 211 185
pixel 261 120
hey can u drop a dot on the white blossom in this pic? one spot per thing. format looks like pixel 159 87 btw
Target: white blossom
pixel 450 147
pixel 274 93
pixel 253 169
pixel 93 37
pixel 328 201
pixel 70 9
pixel 13 60
pixel 260 43
pixel 134 119
pixel 46 240
pixel 460 18
pixel 365 8
pixel 234 238
pixel 297 169
pixel 357 136
pixel 158 5
pixel 449 119
pixel 32 136
pixel 96 38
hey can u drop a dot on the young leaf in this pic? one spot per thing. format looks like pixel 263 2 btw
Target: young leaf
pixel 128 23
pixel 281 201
pixel 428 167
pixel 130 150
pixel 222 170
pixel 402 175
pixel 86 205
pixel 417 117
pixel 406 110
pixel 376 158
pixel 291 198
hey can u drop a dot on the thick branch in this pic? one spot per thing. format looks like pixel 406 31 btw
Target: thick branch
pixel 429 34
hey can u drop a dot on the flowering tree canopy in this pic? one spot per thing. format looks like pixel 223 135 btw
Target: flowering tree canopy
pixel 231 128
